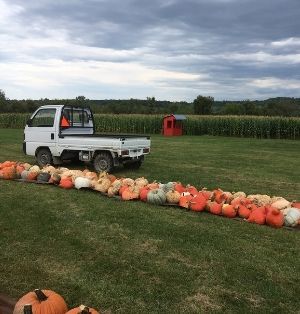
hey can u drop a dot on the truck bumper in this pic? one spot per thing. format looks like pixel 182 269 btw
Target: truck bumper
pixel 129 160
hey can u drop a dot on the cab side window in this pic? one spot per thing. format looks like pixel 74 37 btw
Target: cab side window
pixel 43 118
pixel 76 117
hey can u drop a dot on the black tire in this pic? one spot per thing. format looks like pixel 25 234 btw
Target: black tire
pixel 44 157
pixel 133 165
pixel 103 162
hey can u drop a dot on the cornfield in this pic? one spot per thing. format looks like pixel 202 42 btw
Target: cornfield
pixel 238 126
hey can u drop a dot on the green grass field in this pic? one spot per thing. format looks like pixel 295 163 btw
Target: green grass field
pixel 131 257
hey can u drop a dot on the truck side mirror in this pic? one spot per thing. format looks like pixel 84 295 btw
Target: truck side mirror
pixel 29 122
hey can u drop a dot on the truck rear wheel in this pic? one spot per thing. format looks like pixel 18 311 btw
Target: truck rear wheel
pixel 103 162
pixel 44 157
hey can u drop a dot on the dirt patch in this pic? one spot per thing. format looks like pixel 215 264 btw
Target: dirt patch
pixel 255 300
pixel 150 246
pixel 203 302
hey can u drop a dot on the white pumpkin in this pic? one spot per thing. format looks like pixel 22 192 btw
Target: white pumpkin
pixel 81 182
pixel 238 194
pixel 27 166
pixel 280 203
pixel 291 217
pixel 49 169
pixel 259 199
pixel 141 182
pixel 35 168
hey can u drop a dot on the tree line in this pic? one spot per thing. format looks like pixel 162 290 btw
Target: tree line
pixel 202 105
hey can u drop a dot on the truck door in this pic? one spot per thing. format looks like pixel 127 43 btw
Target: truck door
pixel 40 131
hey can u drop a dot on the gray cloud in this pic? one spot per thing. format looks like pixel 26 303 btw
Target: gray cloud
pixel 225 45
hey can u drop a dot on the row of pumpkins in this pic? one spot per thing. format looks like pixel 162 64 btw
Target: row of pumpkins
pixel 259 209
pixel 47 302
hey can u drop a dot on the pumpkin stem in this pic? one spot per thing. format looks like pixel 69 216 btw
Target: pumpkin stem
pixel 40 295
pixel 86 310
pixel 27 309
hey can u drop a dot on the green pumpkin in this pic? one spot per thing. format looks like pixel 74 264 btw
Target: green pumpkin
pixel 157 196
pixel 24 174
pixel 43 177
pixel 167 186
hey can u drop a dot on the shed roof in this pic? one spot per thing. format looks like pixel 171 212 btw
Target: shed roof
pixel 177 116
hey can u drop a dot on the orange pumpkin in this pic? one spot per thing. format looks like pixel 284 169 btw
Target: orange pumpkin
pixel 19 170
pixel 143 193
pixel 82 309
pixel 42 301
pixel 219 196
pixel 32 175
pixel 9 173
pixel 258 216
pixel 153 185
pixel 207 194
pixel 197 203
pixel 275 218
pixel 228 211
pixel 214 207
pixel 8 164
pixel 184 201
pixel 66 183
pixel 252 207
pixel 296 205
pixel 191 189
pixel 243 211
pixel 122 189
pixel 179 187
pixel 240 201
pixel 112 178
pixel 129 194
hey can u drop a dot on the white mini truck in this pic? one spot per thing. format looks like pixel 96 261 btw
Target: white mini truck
pixel 55 134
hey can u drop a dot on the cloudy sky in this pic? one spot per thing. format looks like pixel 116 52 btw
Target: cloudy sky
pixel 169 49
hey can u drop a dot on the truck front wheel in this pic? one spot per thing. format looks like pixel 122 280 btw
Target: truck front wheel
pixel 103 162
pixel 44 157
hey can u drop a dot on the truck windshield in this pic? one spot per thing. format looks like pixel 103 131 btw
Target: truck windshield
pixel 43 118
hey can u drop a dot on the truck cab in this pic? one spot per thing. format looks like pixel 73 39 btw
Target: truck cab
pixel 55 134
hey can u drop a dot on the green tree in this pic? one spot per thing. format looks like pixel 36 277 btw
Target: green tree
pixel 3 101
pixel 203 104
pixel 233 109
pixel 249 107
pixel 81 101
pixel 151 103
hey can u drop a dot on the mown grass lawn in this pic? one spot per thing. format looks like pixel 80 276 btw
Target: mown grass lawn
pixel 131 257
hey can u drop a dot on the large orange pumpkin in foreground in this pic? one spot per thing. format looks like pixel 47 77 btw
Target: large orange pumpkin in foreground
pixel 42 301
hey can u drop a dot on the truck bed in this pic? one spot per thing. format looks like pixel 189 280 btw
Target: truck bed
pixel 108 135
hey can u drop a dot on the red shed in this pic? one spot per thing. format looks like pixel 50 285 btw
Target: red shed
pixel 172 124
